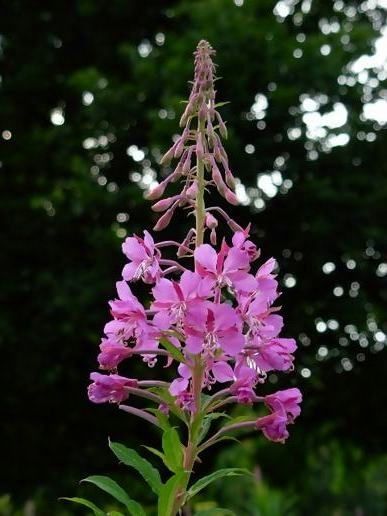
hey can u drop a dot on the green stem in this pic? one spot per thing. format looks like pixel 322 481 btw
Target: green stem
pixel 191 449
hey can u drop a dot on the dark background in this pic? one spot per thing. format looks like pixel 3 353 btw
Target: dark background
pixel 90 95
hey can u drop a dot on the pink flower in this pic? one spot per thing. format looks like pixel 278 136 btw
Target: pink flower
pixel 285 408
pixel 266 284
pixel 144 259
pixel 213 328
pixel 286 401
pixel 175 298
pixel 275 354
pixel 273 427
pixel 245 380
pixel 112 353
pixel 239 240
pixel 128 312
pixel 228 268
pixel 112 388
pixel 180 389
pixel 179 385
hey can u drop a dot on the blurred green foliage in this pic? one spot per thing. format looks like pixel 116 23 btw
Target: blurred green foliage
pixel 90 92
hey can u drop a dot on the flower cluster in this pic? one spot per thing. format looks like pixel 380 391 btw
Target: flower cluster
pixel 216 317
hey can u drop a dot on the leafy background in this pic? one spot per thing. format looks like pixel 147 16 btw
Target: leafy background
pixel 90 97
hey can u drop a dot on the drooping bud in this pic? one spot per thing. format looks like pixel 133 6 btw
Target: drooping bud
pixel 210 221
pixel 231 197
pixel 156 192
pixel 166 159
pixel 163 221
pixel 213 238
pixel 222 126
pixel 230 179
pixel 164 204
pixel 192 191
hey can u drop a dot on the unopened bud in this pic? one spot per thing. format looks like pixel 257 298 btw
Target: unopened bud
pixel 163 221
pixel 156 192
pixel 210 221
pixel 230 179
pixel 166 159
pixel 231 197
pixel 199 147
pixel 192 191
pixel 222 126
pixel 164 204
pixel 213 236
pixel 179 147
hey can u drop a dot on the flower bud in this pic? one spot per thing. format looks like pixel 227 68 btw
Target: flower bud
pixel 164 204
pixel 213 236
pixel 166 159
pixel 230 179
pixel 199 147
pixel 163 221
pixel 210 221
pixel 156 192
pixel 231 197
pixel 222 126
pixel 192 191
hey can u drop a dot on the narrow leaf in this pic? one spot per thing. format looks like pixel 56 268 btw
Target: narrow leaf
pixel 172 350
pixel 156 452
pixel 173 449
pixel 207 423
pixel 131 458
pixel 205 481
pixel 86 503
pixel 169 492
pixel 111 487
pixel 213 512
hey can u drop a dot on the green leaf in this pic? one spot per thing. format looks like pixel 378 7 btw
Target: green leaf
pixel 131 458
pixel 169 492
pixel 172 350
pixel 207 423
pixel 220 104
pixel 110 486
pixel 115 513
pixel 213 512
pixel 205 481
pixel 86 503
pixel 173 450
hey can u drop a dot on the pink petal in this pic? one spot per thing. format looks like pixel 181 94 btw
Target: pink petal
pixel 224 315
pixel 149 243
pixel 134 250
pixel 236 260
pixel 194 344
pixel 178 386
pixel 206 258
pixel 164 293
pixel 124 292
pixel 232 342
pixel 129 271
pixel 266 268
pixel 222 372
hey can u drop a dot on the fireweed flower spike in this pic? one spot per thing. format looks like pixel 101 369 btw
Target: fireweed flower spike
pixel 212 317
